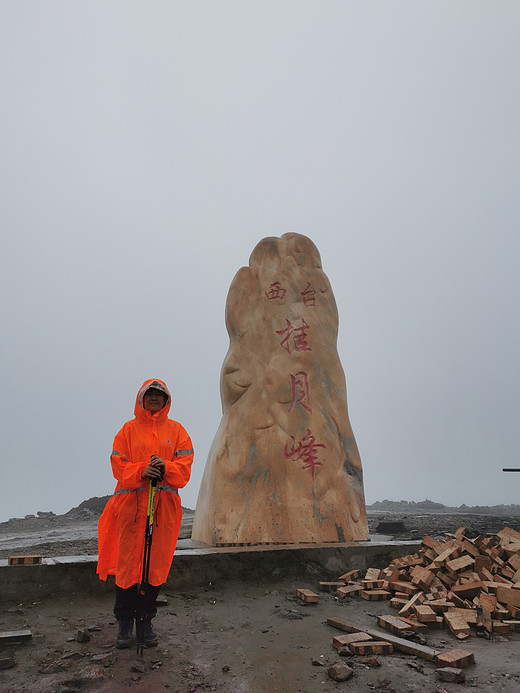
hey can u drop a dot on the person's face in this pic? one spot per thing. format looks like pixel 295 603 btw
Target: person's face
pixel 154 400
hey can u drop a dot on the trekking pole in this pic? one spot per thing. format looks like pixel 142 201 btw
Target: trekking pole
pixel 139 623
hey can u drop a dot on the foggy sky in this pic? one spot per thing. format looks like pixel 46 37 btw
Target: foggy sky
pixel 147 147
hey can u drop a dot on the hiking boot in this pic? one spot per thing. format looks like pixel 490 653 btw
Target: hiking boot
pixel 124 634
pixel 149 637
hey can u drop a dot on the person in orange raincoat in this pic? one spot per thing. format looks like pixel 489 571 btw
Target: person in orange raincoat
pixel 151 446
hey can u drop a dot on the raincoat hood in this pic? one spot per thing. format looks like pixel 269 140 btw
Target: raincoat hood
pixel 139 410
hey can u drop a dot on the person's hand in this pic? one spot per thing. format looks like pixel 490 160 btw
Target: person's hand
pixel 151 472
pixel 158 463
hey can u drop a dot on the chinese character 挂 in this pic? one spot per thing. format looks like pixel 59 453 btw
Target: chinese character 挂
pixel 299 336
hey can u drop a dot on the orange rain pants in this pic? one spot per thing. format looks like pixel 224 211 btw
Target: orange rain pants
pixel 122 525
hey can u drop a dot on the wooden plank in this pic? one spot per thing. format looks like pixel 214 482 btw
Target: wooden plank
pixel 404 645
pixel 15 636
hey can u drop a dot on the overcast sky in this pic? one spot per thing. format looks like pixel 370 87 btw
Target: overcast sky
pixel 147 147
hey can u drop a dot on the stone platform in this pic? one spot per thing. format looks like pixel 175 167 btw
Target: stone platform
pixel 197 564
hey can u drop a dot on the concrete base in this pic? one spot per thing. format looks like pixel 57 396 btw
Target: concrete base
pixel 197 564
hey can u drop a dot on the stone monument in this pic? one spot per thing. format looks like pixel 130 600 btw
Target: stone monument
pixel 284 466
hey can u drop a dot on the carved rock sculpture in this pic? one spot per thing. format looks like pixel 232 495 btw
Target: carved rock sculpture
pixel 284 466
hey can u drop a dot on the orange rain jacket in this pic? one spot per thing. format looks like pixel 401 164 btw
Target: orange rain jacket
pixel 122 525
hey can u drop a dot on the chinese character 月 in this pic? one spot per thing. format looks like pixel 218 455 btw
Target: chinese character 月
pixel 305 452
pixel 300 391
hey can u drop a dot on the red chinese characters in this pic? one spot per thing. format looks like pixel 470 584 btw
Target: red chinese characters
pixel 300 391
pixel 299 335
pixel 309 296
pixel 276 291
pixel 305 452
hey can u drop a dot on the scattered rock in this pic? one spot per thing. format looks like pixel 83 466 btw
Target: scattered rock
pixel 53 668
pixel 319 663
pixel 225 669
pixel 345 652
pixel 107 659
pixel 340 672
pixel 372 662
pixel 417 666
pixel 290 614
pixel 82 635
pixel 7 662
pixel 138 668
pixel 72 655
pixel 451 675
pixel 85 677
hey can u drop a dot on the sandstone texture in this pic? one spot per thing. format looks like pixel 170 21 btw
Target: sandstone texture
pixel 284 466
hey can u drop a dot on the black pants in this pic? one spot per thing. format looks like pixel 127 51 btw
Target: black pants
pixel 125 607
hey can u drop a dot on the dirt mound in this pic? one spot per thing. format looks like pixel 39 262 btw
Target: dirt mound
pixel 92 506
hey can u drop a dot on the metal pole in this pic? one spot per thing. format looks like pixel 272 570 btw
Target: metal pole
pixel 139 624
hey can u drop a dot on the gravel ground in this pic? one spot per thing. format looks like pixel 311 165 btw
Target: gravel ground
pixel 231 636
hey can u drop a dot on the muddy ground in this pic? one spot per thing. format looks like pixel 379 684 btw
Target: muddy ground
pixel 231 637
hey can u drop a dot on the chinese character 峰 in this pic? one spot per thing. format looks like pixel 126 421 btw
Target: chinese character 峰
pixel 305 451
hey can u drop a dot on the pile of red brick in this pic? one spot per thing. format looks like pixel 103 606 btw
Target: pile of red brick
pixel 457 582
